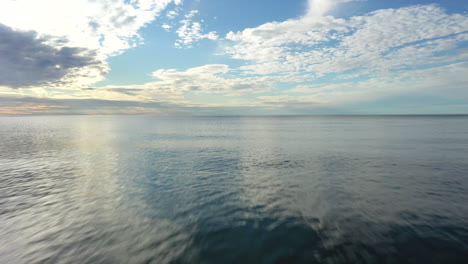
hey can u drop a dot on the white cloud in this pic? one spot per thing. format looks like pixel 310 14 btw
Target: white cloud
pixel 212 78
pixel 379 55
pixel 191 31
pixel 166 27
pixel 172 14
pixel 374 42
pixel 442 82
pixel 319 8
pixel 107 27
pixel 386 53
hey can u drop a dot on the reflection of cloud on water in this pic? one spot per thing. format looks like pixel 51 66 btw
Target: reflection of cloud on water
pixel 269 187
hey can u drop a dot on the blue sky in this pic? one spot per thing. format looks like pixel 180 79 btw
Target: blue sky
pixel 233 57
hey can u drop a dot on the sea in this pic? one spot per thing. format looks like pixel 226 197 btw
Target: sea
pixel 259 189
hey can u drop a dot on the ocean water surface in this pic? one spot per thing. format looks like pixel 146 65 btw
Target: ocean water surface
pixel 313 189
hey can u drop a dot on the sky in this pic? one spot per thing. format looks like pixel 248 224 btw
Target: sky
pixel 233 57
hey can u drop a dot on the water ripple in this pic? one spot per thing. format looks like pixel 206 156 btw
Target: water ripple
pixel 233 190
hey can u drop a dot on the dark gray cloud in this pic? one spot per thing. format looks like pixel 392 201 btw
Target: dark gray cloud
pixel 29 60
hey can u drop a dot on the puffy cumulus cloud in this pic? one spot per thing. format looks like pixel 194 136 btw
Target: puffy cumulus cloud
pixel 107 27
pixel 190 31
pixel 212 78
pixel 376 42
pixel 29 60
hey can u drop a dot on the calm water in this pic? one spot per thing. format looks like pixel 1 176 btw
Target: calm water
pixel 134 189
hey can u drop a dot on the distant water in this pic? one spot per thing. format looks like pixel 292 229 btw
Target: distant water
pixel 136 189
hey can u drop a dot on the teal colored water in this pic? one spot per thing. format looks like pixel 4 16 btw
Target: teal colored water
pixel 141 189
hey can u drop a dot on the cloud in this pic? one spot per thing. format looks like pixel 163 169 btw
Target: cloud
pixel 208 79
pixel 190 32
pixel 317 8
pixel 92 30
pixel 27 105
pixel 446 82
pixel 172 14
pixel 110 26
pixel 411 51
pixel 166 27
pixel 312 62
pixel 29 60
pixel 35 105
pixel 372 43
